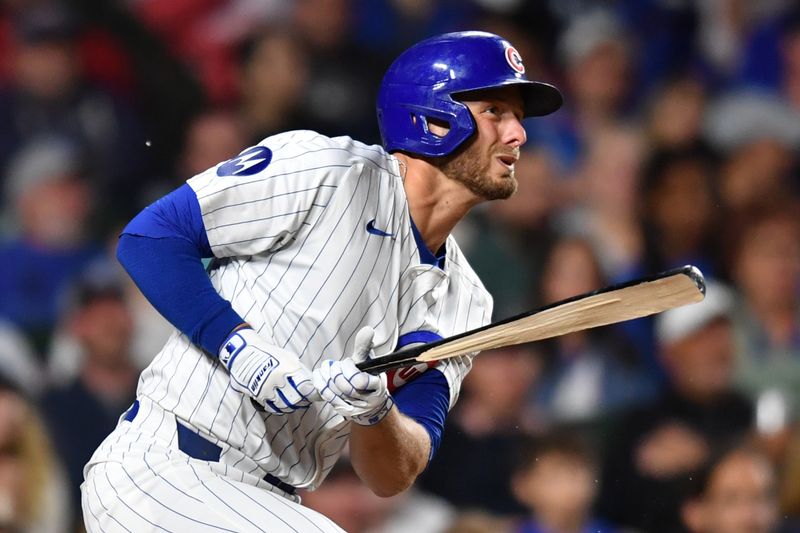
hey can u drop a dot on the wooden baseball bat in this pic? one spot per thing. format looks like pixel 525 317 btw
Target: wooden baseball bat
pixel 616 303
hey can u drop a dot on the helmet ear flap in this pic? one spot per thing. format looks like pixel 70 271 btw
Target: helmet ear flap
pixel 435 131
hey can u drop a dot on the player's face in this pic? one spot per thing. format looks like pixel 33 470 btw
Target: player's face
pixel 485 164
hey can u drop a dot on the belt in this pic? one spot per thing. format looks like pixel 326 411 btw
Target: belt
pixel 195 445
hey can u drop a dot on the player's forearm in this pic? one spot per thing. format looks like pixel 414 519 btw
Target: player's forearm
pixel 389 456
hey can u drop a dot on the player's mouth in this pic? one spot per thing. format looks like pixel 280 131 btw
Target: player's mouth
pixel 508 160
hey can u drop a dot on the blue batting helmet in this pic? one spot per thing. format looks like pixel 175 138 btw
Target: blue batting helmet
pixel 423 80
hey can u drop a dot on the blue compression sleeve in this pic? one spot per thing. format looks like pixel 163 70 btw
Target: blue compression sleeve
pixel 161 248
pixel 426 400
pixel 175 215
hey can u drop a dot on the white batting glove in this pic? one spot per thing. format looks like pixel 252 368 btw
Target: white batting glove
pixel 272 376
pixel 356 395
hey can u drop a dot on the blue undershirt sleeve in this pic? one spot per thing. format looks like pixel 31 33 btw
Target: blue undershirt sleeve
pixel 174 215
pixel 162 250
pixel 426 399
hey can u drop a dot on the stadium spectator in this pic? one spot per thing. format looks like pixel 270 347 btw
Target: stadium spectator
pixel 274 77
pixel 557 481
pixel 490 415
pixel 602 206
pixel 755 174
pixel 206 33
pixel 213 136
pixel 678 198
pixel 49 204
pixel 736 493
pixel 655 448
pixel 48 93
pixel 765 263
pixel 82 413
pixel 345 74
pixel 758 134
pixel 674 118
pixel 65 355
pixel 588 375
pixel 601 202
pixel 596 58
pixel 678 219
pixel 32 486
pixel 160 85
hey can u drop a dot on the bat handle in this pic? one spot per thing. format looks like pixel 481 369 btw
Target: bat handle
pixel 377 366
pixel 376 369
pixel 365 366
pixel 397 359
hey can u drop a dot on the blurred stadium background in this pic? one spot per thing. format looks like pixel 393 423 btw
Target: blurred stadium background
pixel 678 144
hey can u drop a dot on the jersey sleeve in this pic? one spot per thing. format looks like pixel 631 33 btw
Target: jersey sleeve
pixel 471 307
pixel 260 200
pixel 443 306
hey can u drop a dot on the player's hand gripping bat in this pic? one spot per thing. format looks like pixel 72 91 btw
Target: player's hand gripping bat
pixel 617 303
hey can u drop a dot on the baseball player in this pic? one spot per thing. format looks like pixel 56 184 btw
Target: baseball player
pixel 324 251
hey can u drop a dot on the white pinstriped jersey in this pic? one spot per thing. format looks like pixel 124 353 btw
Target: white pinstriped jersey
pixel 312 241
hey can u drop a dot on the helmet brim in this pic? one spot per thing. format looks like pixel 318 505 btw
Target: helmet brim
pixel 539 98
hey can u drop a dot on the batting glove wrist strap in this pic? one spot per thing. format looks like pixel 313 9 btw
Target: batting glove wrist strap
pixel 272 376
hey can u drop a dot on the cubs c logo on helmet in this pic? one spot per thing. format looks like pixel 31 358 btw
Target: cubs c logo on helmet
pixel 514 59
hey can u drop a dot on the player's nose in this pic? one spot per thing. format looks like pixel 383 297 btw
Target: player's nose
pixel 514 133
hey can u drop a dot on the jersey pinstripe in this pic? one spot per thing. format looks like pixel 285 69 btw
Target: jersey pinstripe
pixel 310 248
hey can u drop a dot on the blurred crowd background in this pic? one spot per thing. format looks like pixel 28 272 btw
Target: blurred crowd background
pixel 678 144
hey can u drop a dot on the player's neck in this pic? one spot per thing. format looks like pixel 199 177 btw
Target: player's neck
pixel 436 203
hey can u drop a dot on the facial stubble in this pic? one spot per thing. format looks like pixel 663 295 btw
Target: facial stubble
pixel 472 168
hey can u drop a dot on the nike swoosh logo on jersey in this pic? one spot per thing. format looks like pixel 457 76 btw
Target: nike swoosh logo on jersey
pixel 375 231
